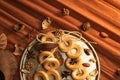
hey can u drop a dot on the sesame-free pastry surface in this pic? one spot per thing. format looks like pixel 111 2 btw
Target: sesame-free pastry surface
pixel 98 21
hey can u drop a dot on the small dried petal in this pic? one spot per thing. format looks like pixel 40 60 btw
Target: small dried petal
pixel 92 60
pixel 94 72
pixel 25 71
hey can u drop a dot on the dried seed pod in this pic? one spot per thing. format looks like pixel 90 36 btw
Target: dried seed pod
pixel 46 23
pixel 65 12
pixel 45 46
pixel 3 41
pixel 94 72
pixel 25 71
pixel 93 60
pixel 88 51
pixel 85 26
pixel 103 35
pixel 86 64
pixel 18 27
pixel 118 72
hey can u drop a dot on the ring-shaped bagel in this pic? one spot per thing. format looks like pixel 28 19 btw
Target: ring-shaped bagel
pixel 43 55
pixel 48 37
pixel 73 66
pixel 54 73
pixel 65 44
pixel 51 63
pixel 41 74
pixel 80 76
pixel 78 51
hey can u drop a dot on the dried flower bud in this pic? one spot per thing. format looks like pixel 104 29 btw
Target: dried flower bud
pixel 65 12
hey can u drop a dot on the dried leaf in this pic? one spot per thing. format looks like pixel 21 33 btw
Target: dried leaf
pixel 25 71
pixel 3 41
pixel 45 46
pixel 18 50
pixel 94 72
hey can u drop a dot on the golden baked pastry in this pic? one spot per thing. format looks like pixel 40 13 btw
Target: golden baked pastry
pixel 77 53
pixel 48 37
pixel 54 73
pixel 43 55
pixel 51 63
pixel 65 44
pixel 41 74
pixel 79 74
pixel 73 64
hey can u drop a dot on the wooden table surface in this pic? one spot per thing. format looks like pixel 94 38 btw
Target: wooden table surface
pixel 104 16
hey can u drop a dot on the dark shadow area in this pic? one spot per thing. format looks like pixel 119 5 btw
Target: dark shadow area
pixel 2 77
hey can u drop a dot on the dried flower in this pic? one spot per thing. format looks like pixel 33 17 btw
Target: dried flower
pixel 65 12
pixel 30 55
pixel 65 74
pixel 73 61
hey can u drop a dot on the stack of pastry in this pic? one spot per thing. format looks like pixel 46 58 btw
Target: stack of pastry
pixel 50 63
